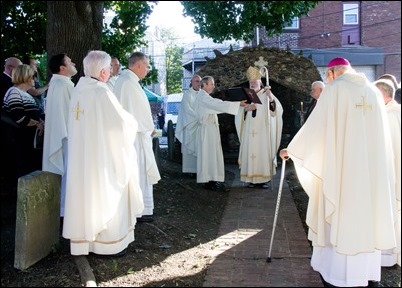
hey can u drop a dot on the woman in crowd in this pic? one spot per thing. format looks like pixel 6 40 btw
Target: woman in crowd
pixel 25 123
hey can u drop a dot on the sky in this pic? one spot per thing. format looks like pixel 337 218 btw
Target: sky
pixel 169 14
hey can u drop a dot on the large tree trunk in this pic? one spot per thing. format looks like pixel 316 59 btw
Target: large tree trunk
pixel 74 28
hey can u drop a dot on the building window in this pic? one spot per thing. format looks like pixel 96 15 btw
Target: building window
pixel 350 14
pixel 294 24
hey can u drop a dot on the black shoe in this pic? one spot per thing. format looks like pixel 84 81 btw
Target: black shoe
pixel 220 186
pixel 211 185
pixel 145 218
pixel 207 186
pixel 251 185
pixel 373 284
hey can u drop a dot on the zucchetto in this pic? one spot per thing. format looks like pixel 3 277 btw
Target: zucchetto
pixel 337 62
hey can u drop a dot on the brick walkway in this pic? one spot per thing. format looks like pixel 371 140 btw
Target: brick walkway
pixel 242 247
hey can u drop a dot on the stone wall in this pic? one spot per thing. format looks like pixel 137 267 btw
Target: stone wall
pixel 290 77
pixel 291 71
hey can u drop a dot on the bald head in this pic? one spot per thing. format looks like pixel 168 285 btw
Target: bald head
pixel 10 64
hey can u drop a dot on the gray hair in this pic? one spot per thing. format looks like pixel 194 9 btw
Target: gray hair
pixel 193 78
pixel 390 77
pixel 386 86
pixel 95 61
pixel 318 83
pixel 135 57
pixel 205 80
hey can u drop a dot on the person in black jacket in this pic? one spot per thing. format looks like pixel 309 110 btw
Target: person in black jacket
pixel 161 119
pixel 316 89
pixel 6 82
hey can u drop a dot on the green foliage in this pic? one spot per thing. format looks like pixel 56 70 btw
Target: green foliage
pixel 226 20
pixel 173 61
pixel 174 73
pixel 127 29
pixel 152 76
pixel 23 28
pixel 42 67
pixel 115 265
pixel 126 32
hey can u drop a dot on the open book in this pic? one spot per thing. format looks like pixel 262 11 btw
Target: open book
pixel 242 93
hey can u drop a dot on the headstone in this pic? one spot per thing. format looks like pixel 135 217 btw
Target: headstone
pixel 37 228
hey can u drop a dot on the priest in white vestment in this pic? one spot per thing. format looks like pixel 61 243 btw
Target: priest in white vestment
pixel 115 72
pixel 260 134
pixel 57 110
pixel 133 99
pixel 343 159
pixel 103 195
pixel 186 127
pixel 393 108
pixel 210 162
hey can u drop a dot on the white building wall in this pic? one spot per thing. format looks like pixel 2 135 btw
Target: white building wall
pixel 197 51
pixel 156 52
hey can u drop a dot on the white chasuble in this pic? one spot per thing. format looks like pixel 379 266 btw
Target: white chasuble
pixel 133 99
pixel 103 195
pixel 186 130
pixel 55 140
pixel 393 256
pixel 260 137
pixel 343 158
pixel 210 162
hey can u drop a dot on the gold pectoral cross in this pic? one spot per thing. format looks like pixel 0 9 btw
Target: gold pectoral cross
pixel 77 111
pixel 363 105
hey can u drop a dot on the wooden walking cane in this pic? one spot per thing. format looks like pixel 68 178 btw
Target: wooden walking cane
pixel 278 201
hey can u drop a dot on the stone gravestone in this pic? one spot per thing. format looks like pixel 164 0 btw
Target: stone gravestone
pixel 38 217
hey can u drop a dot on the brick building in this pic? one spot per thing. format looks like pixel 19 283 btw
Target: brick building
pixel 367 33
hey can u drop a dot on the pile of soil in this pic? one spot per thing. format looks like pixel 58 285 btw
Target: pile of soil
pixel 171 251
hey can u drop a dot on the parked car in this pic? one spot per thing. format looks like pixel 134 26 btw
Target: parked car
pixel 173 102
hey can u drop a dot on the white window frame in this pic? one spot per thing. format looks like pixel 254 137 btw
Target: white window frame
pixel 350 10
pixel 294 25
